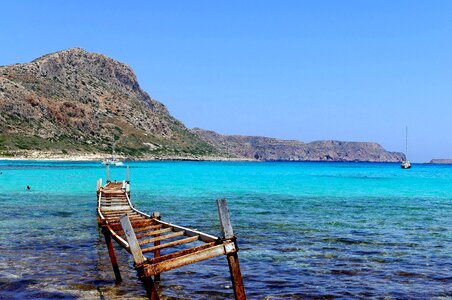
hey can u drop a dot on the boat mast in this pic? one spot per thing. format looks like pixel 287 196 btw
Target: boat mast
pixel 406 142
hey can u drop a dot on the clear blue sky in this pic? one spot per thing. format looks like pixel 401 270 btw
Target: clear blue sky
pixel 306 70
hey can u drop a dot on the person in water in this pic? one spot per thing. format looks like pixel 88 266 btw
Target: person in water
pixel 28 187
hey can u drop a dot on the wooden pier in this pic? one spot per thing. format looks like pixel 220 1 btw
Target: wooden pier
pixel 146 236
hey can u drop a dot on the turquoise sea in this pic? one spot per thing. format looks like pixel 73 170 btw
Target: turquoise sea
pixel 305 230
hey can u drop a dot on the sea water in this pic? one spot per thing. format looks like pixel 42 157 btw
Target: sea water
pixel 305 230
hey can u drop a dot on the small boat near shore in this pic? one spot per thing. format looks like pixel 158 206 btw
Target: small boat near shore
pixel 113 161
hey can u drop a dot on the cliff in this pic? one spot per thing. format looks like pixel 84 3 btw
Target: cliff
pixel 271 149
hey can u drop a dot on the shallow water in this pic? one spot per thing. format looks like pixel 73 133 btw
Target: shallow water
pixel 305 230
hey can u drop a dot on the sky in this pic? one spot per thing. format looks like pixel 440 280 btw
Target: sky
pixel 304 70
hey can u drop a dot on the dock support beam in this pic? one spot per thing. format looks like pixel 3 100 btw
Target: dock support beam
pixel 233 259
pixel 107 175
pixel 138 258
pixel 98 185
pixel 111 253
pixel 156 215
pixel 148 284
pixel 127 174
pixel 236 276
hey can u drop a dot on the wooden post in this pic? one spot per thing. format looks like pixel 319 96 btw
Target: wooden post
pixel 99 184
pixel 128 181
pixel 225 221
pixel 108 174
pixel 138 257
pixel 233 259
pixel 132 240
pixel 127 174
pixel 111 253
pixel 128 188
pixel 156 215
pixel 236 276
pixel 149 285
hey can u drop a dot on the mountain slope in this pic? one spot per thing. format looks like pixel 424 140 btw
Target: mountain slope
pixel 77 101
pixel 270 149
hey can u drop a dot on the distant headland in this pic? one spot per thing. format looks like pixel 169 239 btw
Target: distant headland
pixel 75 104
pixel 441 161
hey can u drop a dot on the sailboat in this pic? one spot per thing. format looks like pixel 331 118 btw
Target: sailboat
pixel 406 163
pixel 113 161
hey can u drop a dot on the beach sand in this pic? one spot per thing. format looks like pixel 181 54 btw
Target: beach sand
pixel 52 156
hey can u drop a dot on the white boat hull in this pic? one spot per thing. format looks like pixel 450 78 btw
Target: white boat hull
pixel 405 164
pixel 116 163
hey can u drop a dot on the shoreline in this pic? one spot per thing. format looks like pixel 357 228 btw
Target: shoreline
pixel 101 157
pixel 198 159
pixel 83 157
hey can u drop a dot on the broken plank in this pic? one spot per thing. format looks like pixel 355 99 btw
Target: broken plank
pixel 180 261
pixel 171 244
pixel 132 241
pixel 181 253
pixel 160 238
pixel 155 232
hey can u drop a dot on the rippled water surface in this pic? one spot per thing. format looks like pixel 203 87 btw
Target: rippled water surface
pixel 305 230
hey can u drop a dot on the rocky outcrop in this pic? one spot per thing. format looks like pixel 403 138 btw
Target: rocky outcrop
pixel 441 161
pixel 77 101
pixel 270 149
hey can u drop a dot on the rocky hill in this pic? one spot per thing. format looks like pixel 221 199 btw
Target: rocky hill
pixel 75 101
pixel 444 161
pixel 270 149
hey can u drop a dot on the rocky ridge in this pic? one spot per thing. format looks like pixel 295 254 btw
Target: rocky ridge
pixel 271 149
pixel 444 161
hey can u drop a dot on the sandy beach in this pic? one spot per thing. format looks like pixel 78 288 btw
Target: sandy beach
pixel 51 156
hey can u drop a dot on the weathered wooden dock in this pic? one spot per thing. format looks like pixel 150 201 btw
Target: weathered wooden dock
pixel 146 236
